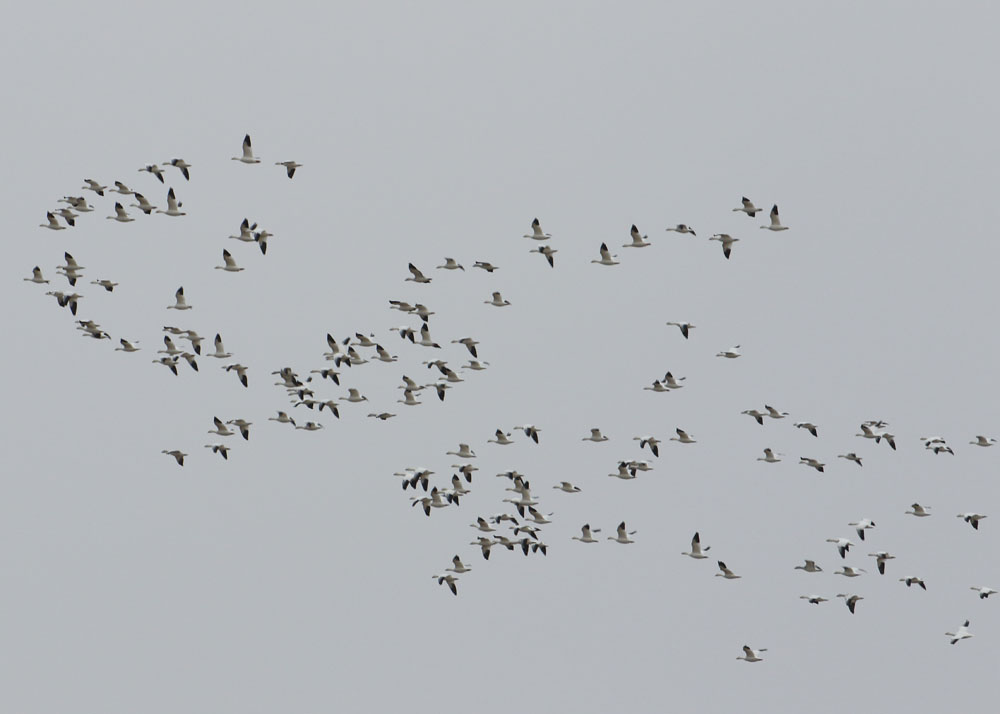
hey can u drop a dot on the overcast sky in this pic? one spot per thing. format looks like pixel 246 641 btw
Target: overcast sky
pixel 296 576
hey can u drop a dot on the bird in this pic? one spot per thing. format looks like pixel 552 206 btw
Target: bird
pixel 418 277
pixel 681 228
pixel 290 167
pixel 843 545
pixel 243 426
pixel 230 264
pixel 851 456
pixel 126 346
pixel 475 365
pixel 485 544
pixel 53 223
pixel 774 413
pixel 460 567
pixel 310 426
pixel 697 551
pixel 181 164
pixel 814 599
pixel 984 441
pixel 488 267
pixel 971 518
pixel 282 418
pixel 36 276
pixel 849 572
pixel 809 567
pixel 918 510
pixel 567 487
pixel 220 350
pixel 497 301
pixel 911 580
pixel 683 437
pixel 220 449
pixel 530 431
pixel 354 396
pixel 775 224
pixel 464 452
pixel 502 438
pixel 155 170
pixel 750 655
pixel 536 231
pixel 220 428
pixel 106 284
pixel 861 526
pixel 758 416
pixel 587 534
pixel 181 303
pixel 177 454
pixel 850 600
pixel 173 207
pixel 144 205
pixel 247 157
pixel 548 251
pixel 595 435
pixel 450 579
pixel 651 441
pixel 92 185
pixel 685 327
pixel 811 428
pixel 638 240
pixel 623 472
pixel 120 215
pixel 984 592
pixel 122 189
pixel 606 257
pixel 408 399
pixel 246 232
pixel 727 243
pixel 769 457
pixel 747 207
pixel 731 353
pixel 623 535
pixel 962 634
pixel 450 264
pixel 168 362
pixel 241 372
pixel 726 572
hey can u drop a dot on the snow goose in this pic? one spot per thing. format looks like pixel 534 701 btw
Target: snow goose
pixel 36 276
pixel 241 372
pixel 181 164
pixel 425 338
pixel 624 473
pixel 310 426
pixel 971 518
pixel 326 374
pixel 354 396
pixel 181 303
pixel 450 264
pixel 464 452
pixel 417 276
pixel 850 600
pixel 460 567
pixel 843 545
pixel 638 240
pixel 758 416
pixel 383 355
pixel 774 413
pixel 567 487
pixel 78 203
pixel 595 435
pixel 651 441
pixel 122 189
pixel 657 386
pixel 530 431
pixel 92 185
pixel 606 257
pixel 120 215
pixel 851 456
pixel 984 441
pixel 538 517
pixel 861 526
pixel 106 284
pixel 230 264
pixel 684 327
pixel 697 551
pixel 731 353
pixel 177 454
pixel 726 572
pixel 332 406
pixel 809 567
pixel 681 228
pixel 548 251
pixel 814 463
pixel 775 224
pixel 669 382
pixel 962 633
pixel 53 223
pixel 984 592
pixel 65 300
pixel 747 207
pixel 485 544
pixel 246 232
pixel 918 510
pixel 536 232
pixel 290 167
pixel 497 300
pixel 168 362
pixel 483 525
pixel 475 365
pixel 439 388
pixel 144 205
pixel 154 170
pixel 487 266
pixel 912 580
pixel 502 438
pixel 587 534
pixel 450 579
pixel 220 428
pixel 750 655
pixel 811 428
pixel 247 157
pixel 849 572
pixel 814 599
pixel 769 456
pixel 727 243
pixel 941 448
pixel 126 346
pixel 173 206
pixel 220 350
pixel 171 348
pixel 68 216
pixel 220 449
pixel 282 418
pixel 623 535
pixel 683 437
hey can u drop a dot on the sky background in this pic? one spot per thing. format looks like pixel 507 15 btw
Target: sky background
pixel 296 576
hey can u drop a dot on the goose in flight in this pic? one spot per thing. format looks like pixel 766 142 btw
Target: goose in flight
pixel 53 223
pixel 36 276
pixel 727 243
pixel 67 300
pixel 171 348
pixel 861 526
pixel 122 189
pixel 106 284
pixel 851 456
pixel 588 534
pixel 962 634
pixel 425 338
pixel 775 224
pixel 282 418
pixel 536 231
pixel 750 655
pixel 247 157
pixel 657 386
pixel 220 449
pixel 984 592
pixel 483 525
pixel 502 438
pixel 769 456
pixel 685 327
pixel 497 301
pixel 354 396
pixel 475 365
pixel 918 510
pixel 79 203
pixel 758 416
pixel 241 372
pixel 530 431
pixel 173 206
pixel 849 572
pixel 168 362
pixel 811 428
pixel 814 463
pixel 450 579
pixel 290 167
pixel 912 580
pixel 747 207
pixel 814 599
pixel 220 428
pixel 669 382
pixel 92 185
pixel 181 164
pixel 697 551
pixel 651 441
pixel 485 544
pixel 681 228
pixel 418 277
pixel 726 572
pixel 120 215
pixel 623 535
pixel 459 568
pixel 68 216
pixel 971 518
pixel 488 267
pixel 464 452
pixel 843 545
pixel 450 264
pixel 606 257
pixel 71 271
pixel 538 517
pixel 732 353
pixel 310 426
pixel 567 487
pixel 984 441
pixel 246 232
pixel 683 437
pixel 548 251
pixel 181 303
pixel 220 350
pixel 774 413
pixel 809 567
pixel 155 170
pixel 126 346
pixel 623 472
pixel 638 240
pixel 595 435
pixel 230 264
pixel 177 454
pixel 850 600
pixel 144 205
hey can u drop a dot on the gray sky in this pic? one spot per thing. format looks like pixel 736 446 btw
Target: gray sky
pixel 296 576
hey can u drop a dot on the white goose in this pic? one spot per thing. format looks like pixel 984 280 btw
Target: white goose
pixel 120 215
pixel 246 232
pixel 220 449
pixel 606 257
pixel 418 277
pixel 548 251
pixel 181 303
pixel 177 454
pixel 53 223
pixel 36 276
pixel 638 240
pixel 843 545
pixel 144 205
pixel 726 572
pixel 126 346
pixel 502 438
pixel 808 426
pixel 747 207
pixel 814 463
pixel 595 435
pixel 450 264
pixel 851 456
pixel 230 264
pixel 681 228
pixel 913 580
pixel 588 534
pixel 92 185
pixel 880 560
pixel 983 441
pixel 774 413
pixel 567 487
pixel 282 418
pixel 497 300
pixel 153 169
pixel 971 518
pixel 354 396
pixel 122 189
pixel 750 655
pixel 220 350
pixel 651 441
pixel 850 600
pixel 775 224
pixel 530 430
pixel 918 510
pixel 769 456
pixel 731 353
pixel 809 567
pixel 984 592
pixel 727 243
pixel 450 579
pixel 173 207
pixel 682 437
pixel 814 599
pixel 684 327
pixel 247 157
pixel 181 164
pixel 849 572
pixel 861 526
pixel 464 452
pixel 623 535
pixel 536 231
pixel 220 428
pixel 962 633
pixel 290 167
pixel 460 567
pixel 697 552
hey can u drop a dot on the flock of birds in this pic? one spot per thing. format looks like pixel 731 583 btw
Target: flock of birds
pixel 520 522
